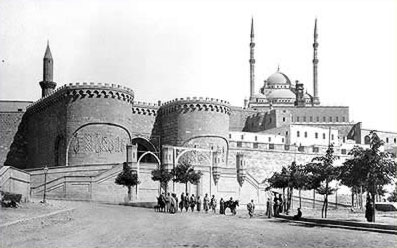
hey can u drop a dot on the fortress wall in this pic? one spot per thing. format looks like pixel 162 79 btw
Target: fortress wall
pixel 238 118
pixel 46 128
pixel 261 163
pixel 168 128
pixel 9 125
pixel 145 122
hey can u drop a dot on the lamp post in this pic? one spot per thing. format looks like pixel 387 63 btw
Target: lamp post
pixel 45 169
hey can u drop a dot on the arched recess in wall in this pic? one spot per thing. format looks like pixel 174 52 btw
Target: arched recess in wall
pixel 59 150
pixel 144 146
pixel 100 124
pixel 211 136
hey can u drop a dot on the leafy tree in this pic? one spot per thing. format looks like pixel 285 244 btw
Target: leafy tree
pixel 350 176
pixel 163 176
pixel 127 177
pixel 371 167
pixel 185 173
pixel 321 172
pixel 291 177
pixel 393 196
pixel 299 180
pixel 280 180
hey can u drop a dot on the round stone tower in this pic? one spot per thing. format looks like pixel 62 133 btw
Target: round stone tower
pixel 196 122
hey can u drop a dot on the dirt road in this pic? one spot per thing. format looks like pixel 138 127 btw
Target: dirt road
pixel 101 225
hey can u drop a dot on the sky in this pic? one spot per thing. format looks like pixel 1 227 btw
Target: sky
pixel 172 49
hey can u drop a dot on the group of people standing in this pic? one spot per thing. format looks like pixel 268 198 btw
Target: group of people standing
pixel 170 203
pixel 276 208
pixel 188 202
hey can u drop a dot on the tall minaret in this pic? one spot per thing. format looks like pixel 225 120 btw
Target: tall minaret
pixel 47 85
pixel 316 99
pixel 252 61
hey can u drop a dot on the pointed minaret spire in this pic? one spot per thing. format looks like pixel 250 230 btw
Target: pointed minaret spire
pixel 47 85
pixel 252 28
pixel 316 99
pixel 252 61
pixel 47 54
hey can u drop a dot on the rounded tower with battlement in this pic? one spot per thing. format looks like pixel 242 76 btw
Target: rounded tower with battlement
pixel 196 122
pixel 81 124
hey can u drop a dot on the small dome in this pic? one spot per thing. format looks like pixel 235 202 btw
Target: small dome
pixel 278 78
pixel 259 95
pixel 281 93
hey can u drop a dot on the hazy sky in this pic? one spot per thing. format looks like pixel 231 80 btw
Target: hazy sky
pixel 168 49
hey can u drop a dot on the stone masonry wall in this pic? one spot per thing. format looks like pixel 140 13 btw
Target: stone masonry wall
pixel 261 163
pixel 238 118
pixel 9 124
pixel 45 133
pixel 182 120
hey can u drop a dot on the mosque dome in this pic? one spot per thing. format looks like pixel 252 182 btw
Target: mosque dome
pixel 278 78
pixel 281 93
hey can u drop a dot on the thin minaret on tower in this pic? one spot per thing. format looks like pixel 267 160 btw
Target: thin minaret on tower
pixel 47 85
pixel 252 62
pixel 316 99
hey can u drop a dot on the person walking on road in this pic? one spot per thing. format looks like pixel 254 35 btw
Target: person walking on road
pixel 251 208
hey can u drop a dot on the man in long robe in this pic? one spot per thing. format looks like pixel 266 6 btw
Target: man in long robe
pixel 199 202
pixel 206 203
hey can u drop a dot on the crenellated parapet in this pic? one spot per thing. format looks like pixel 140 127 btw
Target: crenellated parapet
pixel 195 104
pixel 83 90
pixel 144 108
